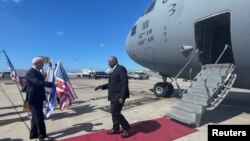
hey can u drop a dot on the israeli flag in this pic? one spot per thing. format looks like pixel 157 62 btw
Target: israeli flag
pixel 51 102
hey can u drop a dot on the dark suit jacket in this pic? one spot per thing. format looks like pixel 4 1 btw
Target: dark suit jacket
pixel 117 84
pixel 35 87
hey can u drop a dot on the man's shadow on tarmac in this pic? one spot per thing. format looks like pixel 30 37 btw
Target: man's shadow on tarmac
pixel 144 127
pixel 88 127
pixel 9 139
pixel 78 110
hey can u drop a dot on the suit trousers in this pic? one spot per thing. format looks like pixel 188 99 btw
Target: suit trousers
pixel 117 118
pixel 38 128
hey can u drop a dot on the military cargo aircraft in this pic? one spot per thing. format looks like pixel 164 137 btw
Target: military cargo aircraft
pixel 202 40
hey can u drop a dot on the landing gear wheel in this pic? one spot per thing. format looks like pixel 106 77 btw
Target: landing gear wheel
pixel 162 89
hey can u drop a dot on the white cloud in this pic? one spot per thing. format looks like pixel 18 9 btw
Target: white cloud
pixel 59 33
pixel 101 45
pixel 15 1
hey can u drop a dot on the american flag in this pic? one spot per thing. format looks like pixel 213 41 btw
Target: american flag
pixel 14 75
pixel 65 91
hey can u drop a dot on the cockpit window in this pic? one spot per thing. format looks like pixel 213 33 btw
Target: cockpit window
pixel 150 8
pixel 133 30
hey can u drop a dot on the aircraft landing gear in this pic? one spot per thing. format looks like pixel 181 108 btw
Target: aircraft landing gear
pixel 163 89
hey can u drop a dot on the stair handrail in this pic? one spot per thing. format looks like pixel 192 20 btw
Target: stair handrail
pixel 230 71
pixel 216 102
pixel 208 91
pixel 175 78
pixel 190 79
pixel 190 84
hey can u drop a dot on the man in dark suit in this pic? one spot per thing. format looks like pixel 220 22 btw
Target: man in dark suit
pixel 117 93
pixel 35 83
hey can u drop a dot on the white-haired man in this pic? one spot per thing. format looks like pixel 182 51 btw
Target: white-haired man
pixel 36 95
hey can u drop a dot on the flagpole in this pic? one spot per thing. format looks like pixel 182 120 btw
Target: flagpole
pixel 20 91
pixel 15 72
pixel 22 96
pixel 10 65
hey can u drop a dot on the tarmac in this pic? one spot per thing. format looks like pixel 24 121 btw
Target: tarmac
pixel 90 112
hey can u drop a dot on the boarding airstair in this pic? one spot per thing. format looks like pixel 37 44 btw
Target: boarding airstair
pixel 206 92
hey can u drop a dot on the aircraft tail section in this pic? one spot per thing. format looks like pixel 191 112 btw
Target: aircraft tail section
pixel 206 92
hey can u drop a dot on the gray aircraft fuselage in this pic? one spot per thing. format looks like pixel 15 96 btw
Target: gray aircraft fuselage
pixel 165 37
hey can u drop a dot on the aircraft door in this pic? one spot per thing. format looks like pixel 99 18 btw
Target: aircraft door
pixel 211 36
pixel 149 54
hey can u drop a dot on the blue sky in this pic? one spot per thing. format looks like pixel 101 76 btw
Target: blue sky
pixel 79 33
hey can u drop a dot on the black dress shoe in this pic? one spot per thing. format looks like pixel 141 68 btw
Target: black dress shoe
pixel 46 139
pixel 125 134
pixel 33 137
pixel 113 132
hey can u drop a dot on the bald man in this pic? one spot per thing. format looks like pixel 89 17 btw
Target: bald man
pixel 118 91
pixel 36 96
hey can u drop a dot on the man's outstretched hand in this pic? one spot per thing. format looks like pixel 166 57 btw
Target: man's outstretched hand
pixel 98 87
pixel 58 84
pixel 121 101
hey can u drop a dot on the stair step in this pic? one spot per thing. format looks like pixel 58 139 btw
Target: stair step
pixel 200 94
pixel 195 99
pixel 196 102
pixel 191 107
pixel 217 79
pixel 224 66
pixel 211 77
pixel 197 90
pixel 180 118
pixel 182 115
pixel 201 84
pixel 221 74
pixel 217 71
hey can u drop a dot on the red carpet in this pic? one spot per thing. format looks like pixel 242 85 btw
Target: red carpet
pixel 161 129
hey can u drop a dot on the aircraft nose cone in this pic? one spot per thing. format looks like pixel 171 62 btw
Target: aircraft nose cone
pixel 128 46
